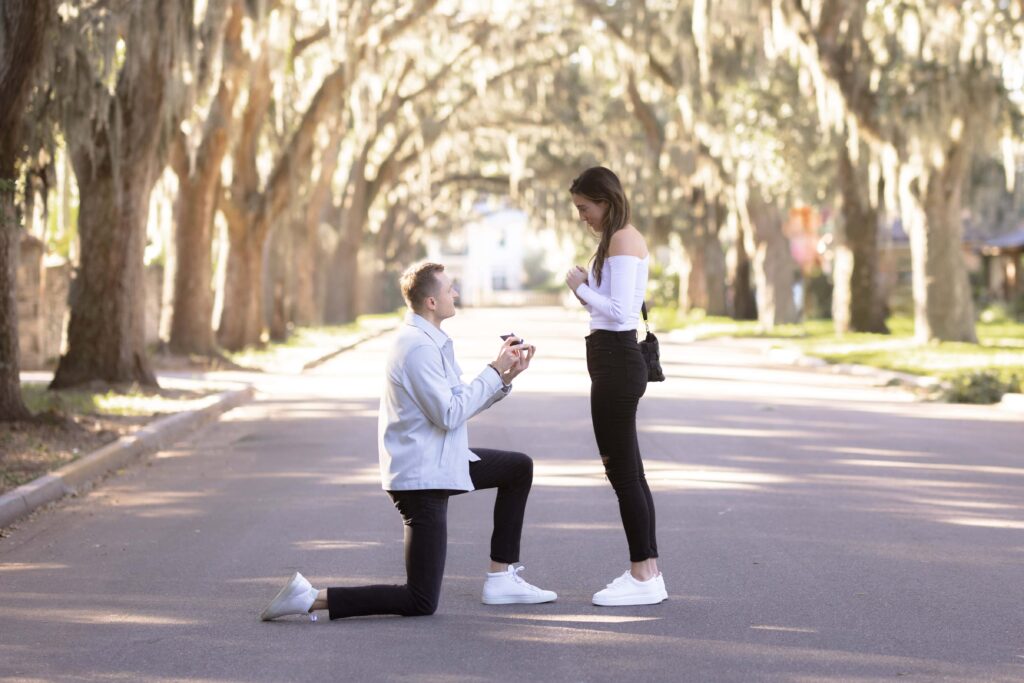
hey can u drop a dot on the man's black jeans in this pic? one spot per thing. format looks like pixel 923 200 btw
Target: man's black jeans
pixel 618 378
pixel 425 515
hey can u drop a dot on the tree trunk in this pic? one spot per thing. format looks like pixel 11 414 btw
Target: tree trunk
pixel 702 284
pixel 342 293
pixel 305 310
pixel 11 405
pixel 23 25
pixel 117 158
pixel 250 209
pixel 943 305
pixel 714 264
pixel 857 303
pixel 196 205
pixel 692 277
pixel 343 288
pixel 744 303
pixel 773 264
pixel 278 287
pixel 241 322
pixel 307 251
pixel 245 210
pixel 192 317
pixel 692 292
pixel 106 333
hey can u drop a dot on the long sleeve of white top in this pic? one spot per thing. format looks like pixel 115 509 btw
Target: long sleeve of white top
pixel 622 271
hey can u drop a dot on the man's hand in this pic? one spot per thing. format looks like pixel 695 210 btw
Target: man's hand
pixel 526 354
pixel 513 359
pixel 507 356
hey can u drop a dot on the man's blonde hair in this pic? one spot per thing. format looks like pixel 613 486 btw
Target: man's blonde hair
pixel 419 282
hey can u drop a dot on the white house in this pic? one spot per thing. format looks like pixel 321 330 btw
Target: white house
pixel 485 256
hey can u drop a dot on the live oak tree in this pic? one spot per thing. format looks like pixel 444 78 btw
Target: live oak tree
pixel 924 88
pixel 719 137
pixel 330 137
pixel 23 28
pixel 435 88
pixel 252 204
pixel 122 90
pixel 196 160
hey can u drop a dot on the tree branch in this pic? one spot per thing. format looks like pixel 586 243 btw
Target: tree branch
pixel 657 68
pixel 645 115
pixel 301 44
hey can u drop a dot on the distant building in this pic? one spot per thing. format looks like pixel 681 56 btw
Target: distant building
pixel 485 257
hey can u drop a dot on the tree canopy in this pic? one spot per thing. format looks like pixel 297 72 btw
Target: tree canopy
pixel 309 146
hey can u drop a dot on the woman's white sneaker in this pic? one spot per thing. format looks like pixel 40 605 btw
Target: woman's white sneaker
pixel 508 588
pixel 625 590
pixel 296 597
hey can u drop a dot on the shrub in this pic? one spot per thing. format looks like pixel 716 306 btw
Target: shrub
pixel 998 312
pixel 980 387
pixel 1017 307
pixel 662 287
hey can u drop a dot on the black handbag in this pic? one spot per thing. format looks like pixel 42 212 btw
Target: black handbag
pixel 651 352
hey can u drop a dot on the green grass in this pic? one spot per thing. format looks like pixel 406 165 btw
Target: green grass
pixel 307 343
pixel 39 399
pixel 997 360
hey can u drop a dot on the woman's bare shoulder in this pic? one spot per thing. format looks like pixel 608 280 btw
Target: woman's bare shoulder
pixel 628 242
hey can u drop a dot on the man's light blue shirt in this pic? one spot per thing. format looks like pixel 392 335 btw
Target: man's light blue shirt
pixel 422 436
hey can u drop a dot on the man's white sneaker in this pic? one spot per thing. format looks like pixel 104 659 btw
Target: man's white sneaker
pixel 508 588
pixel 625 590
pixel 296 597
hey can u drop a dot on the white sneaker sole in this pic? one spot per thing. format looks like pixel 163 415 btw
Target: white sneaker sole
pixel 517 600
pixel 629 600
pixel 269 613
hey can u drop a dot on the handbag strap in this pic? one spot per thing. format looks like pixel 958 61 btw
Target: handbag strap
pixel 643 309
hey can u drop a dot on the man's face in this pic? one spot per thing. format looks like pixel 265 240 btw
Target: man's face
pixel 444 299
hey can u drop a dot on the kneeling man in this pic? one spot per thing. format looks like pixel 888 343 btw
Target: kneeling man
pixel 425 458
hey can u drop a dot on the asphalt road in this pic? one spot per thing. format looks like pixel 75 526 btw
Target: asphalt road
pixel 811 527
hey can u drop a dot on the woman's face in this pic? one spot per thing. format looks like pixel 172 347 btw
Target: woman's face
pixel 591 212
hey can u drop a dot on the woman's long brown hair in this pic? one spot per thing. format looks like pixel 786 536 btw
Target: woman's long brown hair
pixel 598 184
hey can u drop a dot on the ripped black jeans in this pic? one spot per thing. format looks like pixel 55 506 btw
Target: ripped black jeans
pixel 618 378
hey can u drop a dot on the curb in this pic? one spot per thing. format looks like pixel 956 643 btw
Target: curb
pixel 1012 402
pixel 78 476
pixel 797 358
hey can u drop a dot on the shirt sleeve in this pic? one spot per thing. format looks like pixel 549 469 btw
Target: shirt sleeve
pixel 445 405
pixel 622 271
pixel 587 307
pixel 501 393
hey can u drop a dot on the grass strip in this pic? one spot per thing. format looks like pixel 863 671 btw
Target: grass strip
pixel 307 343
pixel 974 373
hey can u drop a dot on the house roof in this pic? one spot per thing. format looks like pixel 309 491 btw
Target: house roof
pixel 1011 240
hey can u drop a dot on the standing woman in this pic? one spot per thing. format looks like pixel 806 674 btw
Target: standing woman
pixel 613 292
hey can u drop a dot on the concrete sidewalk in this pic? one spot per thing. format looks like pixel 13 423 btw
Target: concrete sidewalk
pixel 79 476
pixel 791 356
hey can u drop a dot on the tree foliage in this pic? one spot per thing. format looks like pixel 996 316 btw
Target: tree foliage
pixel 325 140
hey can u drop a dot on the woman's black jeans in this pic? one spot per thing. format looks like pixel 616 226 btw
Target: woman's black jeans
pixel 618 378
pixel 425 516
